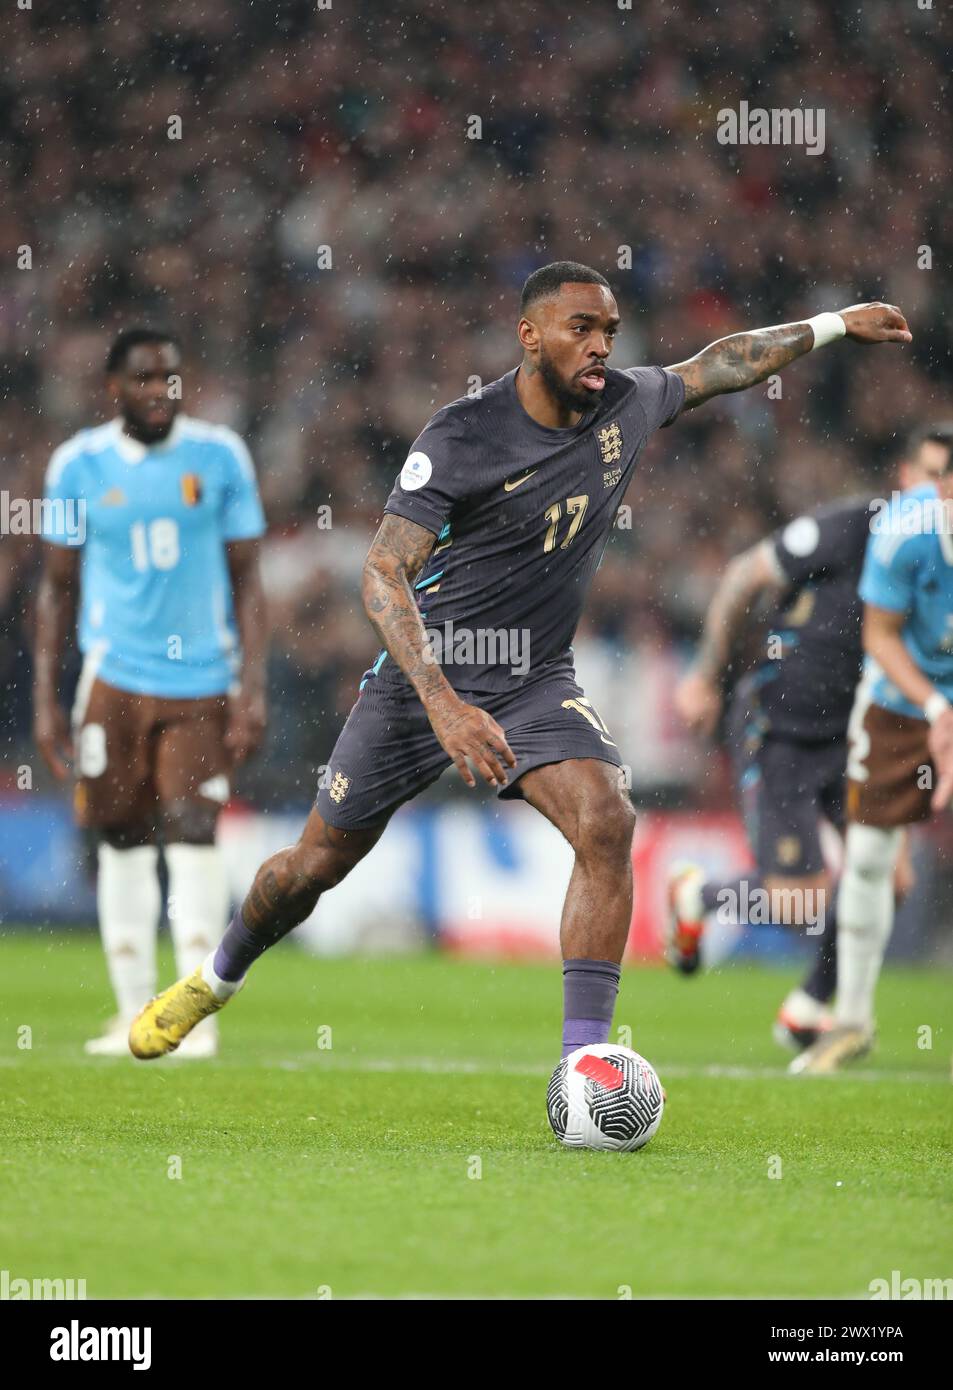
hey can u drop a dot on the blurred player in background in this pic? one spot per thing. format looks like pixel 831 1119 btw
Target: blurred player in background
pixel 494 530
pixel 165 571
pixel 787 723
pixel 900 757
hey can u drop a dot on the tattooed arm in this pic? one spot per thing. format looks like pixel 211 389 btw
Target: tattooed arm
pixel 399 552
pixel 698 695
pixel 733 364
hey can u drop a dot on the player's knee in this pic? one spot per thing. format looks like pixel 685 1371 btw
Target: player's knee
pixel 189 822
pixel 871 852
pixel 131 836
pixel 606 826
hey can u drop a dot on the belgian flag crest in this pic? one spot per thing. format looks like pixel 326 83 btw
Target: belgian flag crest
pixel 191 489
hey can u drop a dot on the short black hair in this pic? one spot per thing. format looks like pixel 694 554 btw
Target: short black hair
pixel 547 280
pixel 941 433
pixel 131 338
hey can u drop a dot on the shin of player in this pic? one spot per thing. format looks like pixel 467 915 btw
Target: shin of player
pixel 128 906
pixel 865 921
pixel 198 892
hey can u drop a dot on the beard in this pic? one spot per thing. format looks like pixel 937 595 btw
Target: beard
pixel 145 431
pixel 571 397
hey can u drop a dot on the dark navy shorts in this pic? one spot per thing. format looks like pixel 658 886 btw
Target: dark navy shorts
pixel 786 786
pixel 387 752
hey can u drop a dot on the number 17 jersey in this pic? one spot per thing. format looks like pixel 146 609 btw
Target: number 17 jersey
pixel 156 614
pixel 522 514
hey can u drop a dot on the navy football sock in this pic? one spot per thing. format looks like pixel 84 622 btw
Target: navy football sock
pixel 821 983
pixel 589 994
pixel 239 948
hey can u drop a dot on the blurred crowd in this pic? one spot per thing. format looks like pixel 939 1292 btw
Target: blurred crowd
pixel 338 224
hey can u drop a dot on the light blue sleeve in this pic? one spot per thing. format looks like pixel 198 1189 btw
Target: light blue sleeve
pixel 63 515
pixel 242 516
pixel 890 570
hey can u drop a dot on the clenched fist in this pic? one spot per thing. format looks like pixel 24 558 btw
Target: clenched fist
pixel 876 323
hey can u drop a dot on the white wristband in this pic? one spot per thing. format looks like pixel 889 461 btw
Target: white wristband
pixel 935 706
pixel 826 328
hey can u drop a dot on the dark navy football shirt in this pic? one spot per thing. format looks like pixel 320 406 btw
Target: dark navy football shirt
pixel 522 515
pixel 807 691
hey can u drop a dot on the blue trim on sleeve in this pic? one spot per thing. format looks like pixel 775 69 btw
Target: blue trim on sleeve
pixel 432 580
pixel 375 669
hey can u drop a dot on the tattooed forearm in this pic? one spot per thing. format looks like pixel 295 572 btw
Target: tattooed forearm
pixel 747 576
pixel 399 552
pixel 732 364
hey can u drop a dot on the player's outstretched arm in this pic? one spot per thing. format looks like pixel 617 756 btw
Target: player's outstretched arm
pixel 469 735
pixel 744 359
pixel 698 696
pixel 55 615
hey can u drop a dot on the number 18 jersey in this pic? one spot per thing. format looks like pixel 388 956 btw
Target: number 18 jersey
pixel 153 523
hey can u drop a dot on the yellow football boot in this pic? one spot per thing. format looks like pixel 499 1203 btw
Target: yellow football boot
pixel 166 1020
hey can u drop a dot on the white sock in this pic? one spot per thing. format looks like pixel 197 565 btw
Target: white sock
pixel 128 902
pixel 222 989
pixel 865 908
pixel 198 902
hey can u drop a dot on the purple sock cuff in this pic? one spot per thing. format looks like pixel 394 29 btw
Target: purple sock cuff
pixel 238 949
pixel 590 988
pixel 581 1032
pixel 589 994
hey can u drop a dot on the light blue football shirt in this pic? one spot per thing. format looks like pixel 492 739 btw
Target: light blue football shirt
pixel 908 569
pixel 156 613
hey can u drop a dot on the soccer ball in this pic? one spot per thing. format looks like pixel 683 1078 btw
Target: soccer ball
pixel 604 1097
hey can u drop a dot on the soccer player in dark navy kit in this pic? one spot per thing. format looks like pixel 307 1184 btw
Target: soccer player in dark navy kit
pixel 787 723
pixel 475 583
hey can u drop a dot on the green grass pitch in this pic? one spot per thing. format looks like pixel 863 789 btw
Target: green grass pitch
pixel 353 1169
